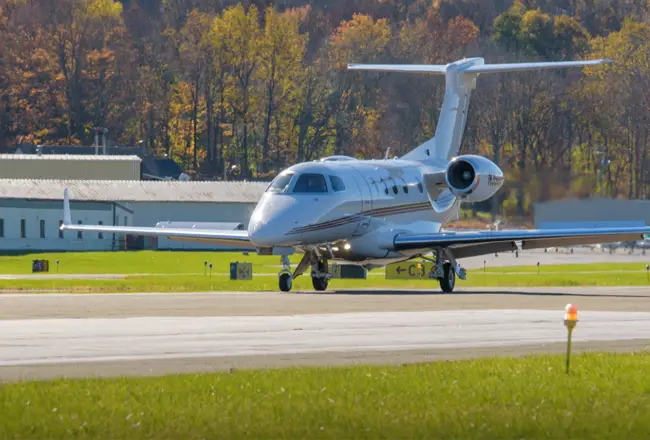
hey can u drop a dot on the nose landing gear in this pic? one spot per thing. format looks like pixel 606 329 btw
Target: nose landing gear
pixel 286 278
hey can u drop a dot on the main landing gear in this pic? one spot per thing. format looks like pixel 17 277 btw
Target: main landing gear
pixel 319 272
pixel 320 275
pixel 445 271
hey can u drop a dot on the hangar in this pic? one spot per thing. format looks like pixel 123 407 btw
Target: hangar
pixel 591 213
pixel 31 210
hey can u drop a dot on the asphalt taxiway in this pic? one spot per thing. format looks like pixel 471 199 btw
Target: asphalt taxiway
pixel 51 335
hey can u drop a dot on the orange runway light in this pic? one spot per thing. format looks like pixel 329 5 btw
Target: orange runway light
pixel 570 320
pixel 570 315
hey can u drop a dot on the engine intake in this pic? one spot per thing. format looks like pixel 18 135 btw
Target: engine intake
pixel 461 175
pixel 473 178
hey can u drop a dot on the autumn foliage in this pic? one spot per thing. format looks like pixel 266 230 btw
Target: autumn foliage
pixel 261 86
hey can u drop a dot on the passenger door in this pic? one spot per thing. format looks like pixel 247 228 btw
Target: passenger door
pixel 365 193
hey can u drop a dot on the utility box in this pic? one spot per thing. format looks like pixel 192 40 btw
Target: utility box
pixel 348 271
pixel 241 271
pixel 40 266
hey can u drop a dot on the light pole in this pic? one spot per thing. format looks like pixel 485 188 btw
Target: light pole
pixel 604 162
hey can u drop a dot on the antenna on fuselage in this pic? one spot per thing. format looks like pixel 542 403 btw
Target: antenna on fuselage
pixel 386 155
pixel 460 80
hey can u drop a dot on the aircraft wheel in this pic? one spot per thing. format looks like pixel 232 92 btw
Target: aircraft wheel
pixel 448 282
pixel 320 283
pixel 285 282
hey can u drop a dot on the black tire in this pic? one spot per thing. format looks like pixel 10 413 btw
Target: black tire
pixel 285 282
pixel 448 282
pixel 319 283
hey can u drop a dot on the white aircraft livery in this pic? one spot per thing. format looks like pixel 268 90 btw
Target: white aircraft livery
pixel 376 212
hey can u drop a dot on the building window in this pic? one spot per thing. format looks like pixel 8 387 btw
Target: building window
pixel 2 228
pixel 23 228
pixel 42 228
pixel 101 234
pixel 79 232
pixel 126 221
pixel 60 231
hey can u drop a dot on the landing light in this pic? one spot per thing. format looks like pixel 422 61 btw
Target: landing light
pixel 347 246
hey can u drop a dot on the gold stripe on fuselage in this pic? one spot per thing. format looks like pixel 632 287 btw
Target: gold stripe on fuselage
pixel 377 212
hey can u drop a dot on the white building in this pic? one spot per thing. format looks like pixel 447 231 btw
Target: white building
pixel 591 213
pixel 31 210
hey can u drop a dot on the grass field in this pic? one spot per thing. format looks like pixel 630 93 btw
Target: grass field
pixel 605 396
pixel 149 271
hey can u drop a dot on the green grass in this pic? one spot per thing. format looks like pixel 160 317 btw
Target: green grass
pixel 132 262
pixel 605 396
pixel 150 271
pixel 201 283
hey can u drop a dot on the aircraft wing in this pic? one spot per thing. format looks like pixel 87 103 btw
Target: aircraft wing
pixel 470 244
pixel 236 238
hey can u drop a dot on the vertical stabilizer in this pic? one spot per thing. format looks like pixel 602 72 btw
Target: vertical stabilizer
pixel 460 81
pixel 453 116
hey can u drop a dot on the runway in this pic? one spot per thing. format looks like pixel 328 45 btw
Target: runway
pixel 43 336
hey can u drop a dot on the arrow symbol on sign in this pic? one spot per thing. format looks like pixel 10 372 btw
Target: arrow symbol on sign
pixel 399 270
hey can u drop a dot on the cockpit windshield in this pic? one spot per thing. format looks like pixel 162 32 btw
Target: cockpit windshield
pixel 280 184
pixel 310 183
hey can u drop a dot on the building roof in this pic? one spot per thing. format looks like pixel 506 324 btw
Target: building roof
pixel 131 158
pixel 78 149
pixel 133 190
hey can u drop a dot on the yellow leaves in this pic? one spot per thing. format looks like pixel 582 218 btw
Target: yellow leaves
pixel 462 31
pixel 104 9
pixel 358 40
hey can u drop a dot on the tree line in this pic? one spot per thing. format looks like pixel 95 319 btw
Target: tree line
pixel 262 85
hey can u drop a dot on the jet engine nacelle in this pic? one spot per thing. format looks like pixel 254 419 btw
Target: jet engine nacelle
pixel 473 178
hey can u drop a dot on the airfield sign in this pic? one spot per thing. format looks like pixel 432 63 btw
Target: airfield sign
pixel 409 270
pixel 241 271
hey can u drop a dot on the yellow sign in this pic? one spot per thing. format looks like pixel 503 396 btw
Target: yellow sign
pixel 409 270
pixel 336 270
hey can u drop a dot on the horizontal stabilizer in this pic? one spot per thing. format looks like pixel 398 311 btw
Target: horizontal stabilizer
pixel 475 68
pixel 460 80
pixel 516 67
pixel 416 68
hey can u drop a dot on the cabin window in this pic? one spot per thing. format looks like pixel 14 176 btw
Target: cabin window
pixel 280 184
pixel 337 184
pixel 311 183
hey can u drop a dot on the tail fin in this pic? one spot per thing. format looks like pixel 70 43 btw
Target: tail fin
pixel 460 80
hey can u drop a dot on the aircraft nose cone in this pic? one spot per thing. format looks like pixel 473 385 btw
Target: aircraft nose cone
pixel 271 220
pixel 262 234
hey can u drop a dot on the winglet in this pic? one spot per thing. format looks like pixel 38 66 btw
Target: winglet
pixel 67 217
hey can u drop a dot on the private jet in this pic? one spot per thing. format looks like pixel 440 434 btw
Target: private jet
pixel 372 213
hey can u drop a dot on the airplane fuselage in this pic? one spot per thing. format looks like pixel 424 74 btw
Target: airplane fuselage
pixel 352 205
